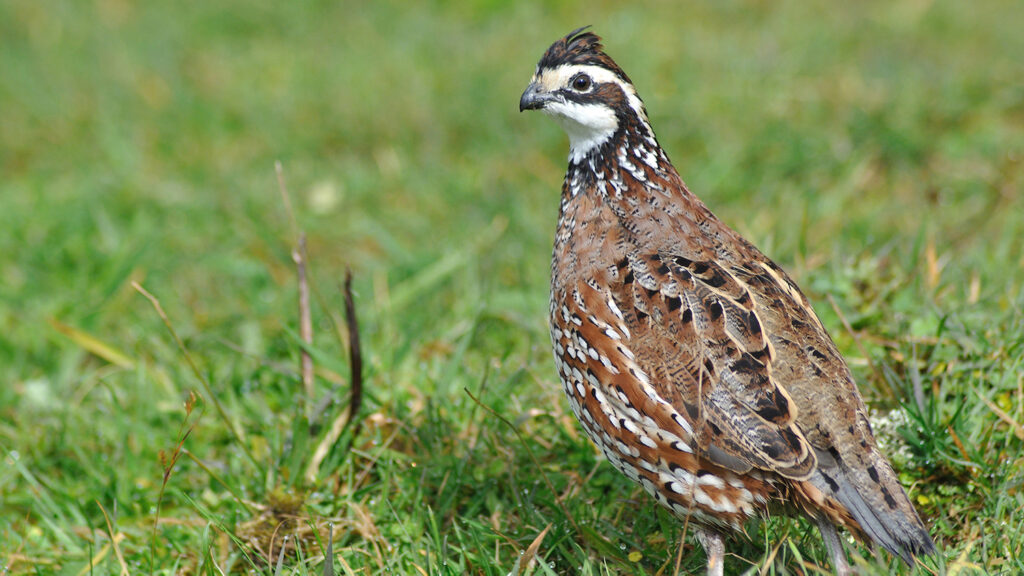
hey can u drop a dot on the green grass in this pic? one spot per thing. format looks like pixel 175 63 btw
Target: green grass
pixel 873 149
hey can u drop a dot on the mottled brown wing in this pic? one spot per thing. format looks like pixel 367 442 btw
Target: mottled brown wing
pixel 693 333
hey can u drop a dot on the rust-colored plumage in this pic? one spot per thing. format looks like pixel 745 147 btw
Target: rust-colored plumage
pixel 692 360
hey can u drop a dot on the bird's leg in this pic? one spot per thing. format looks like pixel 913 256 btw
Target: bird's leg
pixel 714 547
pixel 834 545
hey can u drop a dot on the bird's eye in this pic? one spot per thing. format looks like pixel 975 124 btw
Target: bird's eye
pixel 581 83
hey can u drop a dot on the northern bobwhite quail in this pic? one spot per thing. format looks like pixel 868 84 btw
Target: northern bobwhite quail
pixel 692 360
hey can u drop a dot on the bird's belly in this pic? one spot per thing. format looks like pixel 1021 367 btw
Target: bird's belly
pixel 669 470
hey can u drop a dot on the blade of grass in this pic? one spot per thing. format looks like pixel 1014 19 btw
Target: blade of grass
pixel 52 516
pixel 329 552
pixel 100 555
pixel 228 423
pixel 1018 430
pixel 114 541
pixel 529 556
pixel 219 524
pixel 94 345
pixel 533 457
pixel 202 465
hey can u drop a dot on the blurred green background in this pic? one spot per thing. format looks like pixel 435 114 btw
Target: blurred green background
pixel 873 149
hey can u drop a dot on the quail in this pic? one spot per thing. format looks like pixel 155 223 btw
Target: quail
pixel 693 361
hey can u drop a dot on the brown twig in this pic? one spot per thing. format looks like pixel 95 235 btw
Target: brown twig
pixel 168 467
pixel 285 198
pixel 347 419
pixel 305 325
pixel 305 319
pixel 682 545
pixel 355 351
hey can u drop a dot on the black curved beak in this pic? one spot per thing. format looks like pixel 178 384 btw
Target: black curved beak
pixel 534 98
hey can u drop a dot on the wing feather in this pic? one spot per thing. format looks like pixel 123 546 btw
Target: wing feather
pixel 690 327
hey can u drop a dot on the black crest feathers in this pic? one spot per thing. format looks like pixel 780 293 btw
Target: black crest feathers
pixel 579 47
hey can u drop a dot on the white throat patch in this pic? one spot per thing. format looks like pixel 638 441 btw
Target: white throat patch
pixel 588 125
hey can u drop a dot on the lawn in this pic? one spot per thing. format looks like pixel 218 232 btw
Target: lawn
pixel 874 149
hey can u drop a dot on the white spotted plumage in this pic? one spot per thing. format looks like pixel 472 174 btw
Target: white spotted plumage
pixel 671 332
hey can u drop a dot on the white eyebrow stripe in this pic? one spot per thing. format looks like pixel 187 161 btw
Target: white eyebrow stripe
pixel 556 78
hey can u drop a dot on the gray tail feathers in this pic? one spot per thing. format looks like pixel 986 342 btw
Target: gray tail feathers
pixel 877 501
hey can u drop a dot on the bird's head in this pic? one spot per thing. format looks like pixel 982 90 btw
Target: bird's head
pixel 585 91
